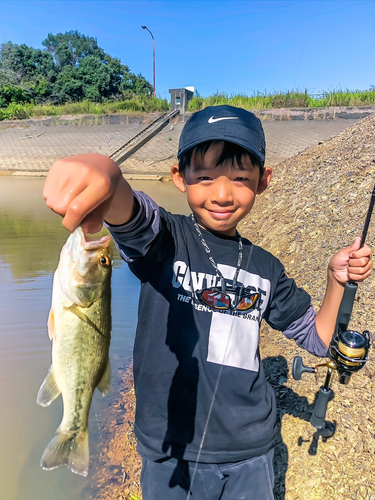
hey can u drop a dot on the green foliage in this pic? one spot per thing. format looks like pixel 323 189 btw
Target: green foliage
pixel 67 49
pixel 21 62
pixel 196 103
pixel 13 93
pixel 293 99
pixel 141 104
pixel 345 98
pixel 135 85
pixel 68 86
pixel 16 111
pixel 71 68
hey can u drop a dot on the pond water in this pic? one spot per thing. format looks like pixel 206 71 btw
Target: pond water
pixel 31 237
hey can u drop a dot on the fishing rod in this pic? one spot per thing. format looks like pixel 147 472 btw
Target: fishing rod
pixel 347 352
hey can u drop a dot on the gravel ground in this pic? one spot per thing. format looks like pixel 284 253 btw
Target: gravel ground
pixel 316 204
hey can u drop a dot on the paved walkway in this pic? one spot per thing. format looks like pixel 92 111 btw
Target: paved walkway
pixel 29 149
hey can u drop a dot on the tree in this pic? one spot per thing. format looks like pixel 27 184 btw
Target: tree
pixel 70 47
pixel 72 67
pixel 23 63
pixel 67 87
pixel 136 85
pixel 29 72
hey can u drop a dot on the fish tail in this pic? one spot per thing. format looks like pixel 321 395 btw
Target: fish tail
pixel 70 449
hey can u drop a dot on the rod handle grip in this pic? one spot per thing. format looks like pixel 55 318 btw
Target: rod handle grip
pixel 346 305
pixel 320 409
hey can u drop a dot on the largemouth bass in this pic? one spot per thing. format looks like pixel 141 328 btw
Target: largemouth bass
pixel 79 326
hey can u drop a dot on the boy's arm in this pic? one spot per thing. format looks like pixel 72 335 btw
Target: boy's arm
pixel 86 189
pixel 351 263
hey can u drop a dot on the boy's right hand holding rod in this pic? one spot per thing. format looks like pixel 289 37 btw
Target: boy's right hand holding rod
pixel 88 189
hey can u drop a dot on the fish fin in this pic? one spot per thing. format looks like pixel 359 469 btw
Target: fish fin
pixel 69 448
pixel 48 391
pixel 75 310
pixel 105 381
pixel 51 325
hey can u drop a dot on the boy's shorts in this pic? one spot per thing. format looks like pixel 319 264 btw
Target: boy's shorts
pixel 247 480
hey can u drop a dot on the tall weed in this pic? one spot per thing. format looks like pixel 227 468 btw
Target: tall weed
pixel 142 104
pixel 292 99
pixel 145 104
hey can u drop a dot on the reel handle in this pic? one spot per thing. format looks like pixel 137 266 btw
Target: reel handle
pixel 299 368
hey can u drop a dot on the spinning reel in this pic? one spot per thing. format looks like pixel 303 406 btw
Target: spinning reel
pixel 348 350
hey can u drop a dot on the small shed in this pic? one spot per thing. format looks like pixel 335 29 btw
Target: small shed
pixel 180 98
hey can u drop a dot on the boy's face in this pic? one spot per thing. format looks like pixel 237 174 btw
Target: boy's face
pixel 220 196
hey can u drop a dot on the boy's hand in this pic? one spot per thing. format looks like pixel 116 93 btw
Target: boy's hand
pixel 85 189
pixel 351 263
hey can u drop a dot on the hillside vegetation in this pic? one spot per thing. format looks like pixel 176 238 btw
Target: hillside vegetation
pixel 71 67
pixel 70 75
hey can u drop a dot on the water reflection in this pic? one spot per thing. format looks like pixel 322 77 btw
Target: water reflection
pixel 30 232
pixel 31 237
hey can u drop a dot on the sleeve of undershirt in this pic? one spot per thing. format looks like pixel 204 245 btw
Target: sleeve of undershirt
pixel 140 236
pixel 291 312
pixel 303 331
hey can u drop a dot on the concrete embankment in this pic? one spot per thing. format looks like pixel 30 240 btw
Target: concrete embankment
pixel 31 146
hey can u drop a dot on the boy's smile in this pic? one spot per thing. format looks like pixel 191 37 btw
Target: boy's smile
pixel 220 196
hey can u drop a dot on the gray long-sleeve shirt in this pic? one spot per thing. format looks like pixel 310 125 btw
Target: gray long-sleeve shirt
pixel 182 347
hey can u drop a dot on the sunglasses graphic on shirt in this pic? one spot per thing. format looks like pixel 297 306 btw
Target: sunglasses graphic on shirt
pixel 219 300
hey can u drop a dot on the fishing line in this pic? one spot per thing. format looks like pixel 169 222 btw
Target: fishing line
pixel 209 413
pixel 214 395
pixel 98 422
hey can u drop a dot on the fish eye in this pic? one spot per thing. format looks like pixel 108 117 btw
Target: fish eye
pixel 104 260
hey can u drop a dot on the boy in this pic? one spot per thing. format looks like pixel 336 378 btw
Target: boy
pixel 205 418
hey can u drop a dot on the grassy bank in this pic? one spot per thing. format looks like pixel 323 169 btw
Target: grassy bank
pixel 17 111
pixel 286 100
pixel 28 110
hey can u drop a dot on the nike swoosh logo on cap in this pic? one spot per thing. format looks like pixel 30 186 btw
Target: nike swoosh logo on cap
pixel 213 120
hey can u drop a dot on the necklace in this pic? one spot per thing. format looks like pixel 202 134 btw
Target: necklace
pixel 208 251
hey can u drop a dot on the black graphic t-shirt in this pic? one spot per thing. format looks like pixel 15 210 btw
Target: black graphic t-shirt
pixel 184 353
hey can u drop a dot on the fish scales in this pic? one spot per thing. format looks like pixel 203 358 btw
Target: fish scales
pixel 80 363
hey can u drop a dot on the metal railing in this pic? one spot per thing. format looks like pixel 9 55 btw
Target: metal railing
pixel 136 142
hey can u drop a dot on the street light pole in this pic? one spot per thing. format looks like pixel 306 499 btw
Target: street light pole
pixel 153 43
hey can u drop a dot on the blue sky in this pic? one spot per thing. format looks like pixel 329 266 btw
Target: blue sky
pixel 225 46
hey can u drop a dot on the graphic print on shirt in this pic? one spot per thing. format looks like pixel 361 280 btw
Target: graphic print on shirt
pixel 233 337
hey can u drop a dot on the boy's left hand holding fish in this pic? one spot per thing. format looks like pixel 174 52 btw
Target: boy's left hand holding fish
pixel 350 263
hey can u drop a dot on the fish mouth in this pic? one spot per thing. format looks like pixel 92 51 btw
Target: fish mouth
pixel 92 243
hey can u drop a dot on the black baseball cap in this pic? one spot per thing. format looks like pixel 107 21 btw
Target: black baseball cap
pixel 224 123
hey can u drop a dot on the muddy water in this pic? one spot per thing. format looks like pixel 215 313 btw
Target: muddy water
pixel 31 237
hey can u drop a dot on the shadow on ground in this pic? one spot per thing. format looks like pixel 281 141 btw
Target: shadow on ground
pixel 288 402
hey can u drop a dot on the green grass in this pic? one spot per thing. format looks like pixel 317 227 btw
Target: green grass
pixel 27 110
pixel 293 99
